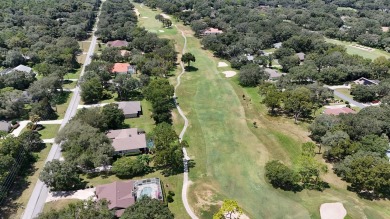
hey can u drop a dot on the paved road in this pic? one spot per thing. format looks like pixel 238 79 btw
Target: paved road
pixel 350 100
pixel 40 192
pixel 186 158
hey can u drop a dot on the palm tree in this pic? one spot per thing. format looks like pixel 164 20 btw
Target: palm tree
pixel 35 119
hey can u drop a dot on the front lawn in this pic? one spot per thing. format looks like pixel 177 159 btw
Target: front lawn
pixel 49 131
pixel 28 186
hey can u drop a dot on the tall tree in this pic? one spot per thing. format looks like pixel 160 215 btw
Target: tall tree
pixel 91 90
pixel 298 102
pixel 188 58
pixel 229 207
pixel 147 208
pixel 60 176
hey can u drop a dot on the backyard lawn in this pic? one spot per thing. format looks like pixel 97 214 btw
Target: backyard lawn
pixel 230 153
pixel 145 121
pixel 30 181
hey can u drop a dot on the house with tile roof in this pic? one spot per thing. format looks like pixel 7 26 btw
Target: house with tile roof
pixel 126 141
pixel 117 43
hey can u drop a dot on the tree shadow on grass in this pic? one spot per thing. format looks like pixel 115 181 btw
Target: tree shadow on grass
pixel 190 68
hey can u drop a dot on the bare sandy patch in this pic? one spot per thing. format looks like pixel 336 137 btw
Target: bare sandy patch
pixel 385 29
pixel 368 49
pixel 144 17
pixel 165 16
pixel 332 211
pixel 222 64
pixel 161 31
pixel 136 12
pixel 229 74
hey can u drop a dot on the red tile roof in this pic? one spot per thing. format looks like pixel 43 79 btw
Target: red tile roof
pixel 120 67
pixel 117 43
pixel 118 193
pixel 339 111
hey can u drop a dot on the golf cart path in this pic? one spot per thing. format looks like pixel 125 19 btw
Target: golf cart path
pixel 186 158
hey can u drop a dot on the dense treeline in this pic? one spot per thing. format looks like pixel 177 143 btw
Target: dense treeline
pixel 44 38
pixel 357 144
pixel 16 158
pixel 33 34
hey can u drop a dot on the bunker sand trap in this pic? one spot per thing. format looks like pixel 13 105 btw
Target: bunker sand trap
pixel 332 211
pixel 136 11
pixel 363 47
pixel 229 74
pixel 165 16
pixel 222 64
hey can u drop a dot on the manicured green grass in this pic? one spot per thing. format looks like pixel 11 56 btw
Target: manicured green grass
pixel 230 153
pixel 346 9
pixel 356 51
pixel 61 108
pixel 49 131
pixel 73 75
pixel 145 121
pixel 70 85
pixel 345 91
pixel 31 180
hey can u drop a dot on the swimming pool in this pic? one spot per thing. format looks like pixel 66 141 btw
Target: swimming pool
pixel 146 191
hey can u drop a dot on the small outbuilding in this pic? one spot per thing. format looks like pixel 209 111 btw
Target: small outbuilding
pixel 301 56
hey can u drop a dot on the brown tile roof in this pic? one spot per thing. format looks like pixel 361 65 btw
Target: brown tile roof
pixel 120 67
pixel 130 107
pixel 338 111
pixel 127 139
pixel 119 194
pixel 117 43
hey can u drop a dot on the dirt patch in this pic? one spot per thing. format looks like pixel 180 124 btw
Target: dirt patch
pixel 229 74
pixel 222 64
pixel 205 197
pixel 333 211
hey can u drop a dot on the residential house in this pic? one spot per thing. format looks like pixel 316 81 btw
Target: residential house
pixel 5 126
pixel 123 194
pixel 212 31
pixel 273 74
pixel 21 68
pixel 301 56
pixel 117 43
pixel 126 141
pixel 338 111
pixel 365 81
pixel 131 109
pixel 123 68
pixel 277 45
pixel 119 194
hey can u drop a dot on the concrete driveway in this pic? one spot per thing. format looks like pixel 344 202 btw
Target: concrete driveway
pixel 82 194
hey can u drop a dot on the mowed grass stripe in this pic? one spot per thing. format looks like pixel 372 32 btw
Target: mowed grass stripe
pixel 219 132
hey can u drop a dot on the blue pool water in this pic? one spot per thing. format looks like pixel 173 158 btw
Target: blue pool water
pixel 146 191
